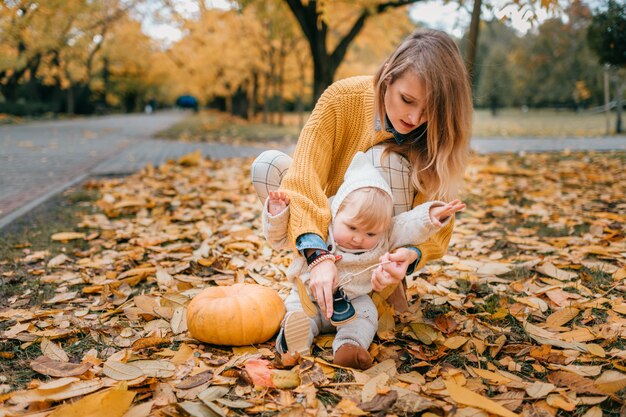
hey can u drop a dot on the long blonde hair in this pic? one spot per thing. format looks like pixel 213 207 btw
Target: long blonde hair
pixel 438 159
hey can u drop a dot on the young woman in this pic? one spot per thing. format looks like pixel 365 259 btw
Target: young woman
pixel 413 118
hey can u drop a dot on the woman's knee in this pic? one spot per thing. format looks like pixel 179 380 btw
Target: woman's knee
pixel 396 170
pixel 267 171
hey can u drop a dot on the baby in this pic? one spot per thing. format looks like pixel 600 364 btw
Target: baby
pixel 362 231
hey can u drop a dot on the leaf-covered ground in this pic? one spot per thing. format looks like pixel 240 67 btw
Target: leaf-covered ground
pixel 525 315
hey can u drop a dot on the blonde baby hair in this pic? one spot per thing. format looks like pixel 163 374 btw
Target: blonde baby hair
pixel 371 207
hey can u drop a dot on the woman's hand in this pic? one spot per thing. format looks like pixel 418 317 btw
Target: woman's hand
pixel 322 284
pixel 394 269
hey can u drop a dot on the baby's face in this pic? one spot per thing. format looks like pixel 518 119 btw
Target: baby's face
pixel 351 235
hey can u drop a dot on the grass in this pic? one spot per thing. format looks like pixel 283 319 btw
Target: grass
pixel 540 123
pixel 214 126
pixel 20 286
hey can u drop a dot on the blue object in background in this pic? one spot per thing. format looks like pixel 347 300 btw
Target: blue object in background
pixel 187 102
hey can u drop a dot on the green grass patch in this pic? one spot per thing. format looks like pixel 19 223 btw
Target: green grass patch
pixel 31 234
pixel 540 123
pixel 214 126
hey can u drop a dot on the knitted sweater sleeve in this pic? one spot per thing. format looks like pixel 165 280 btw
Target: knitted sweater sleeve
pixel 309 173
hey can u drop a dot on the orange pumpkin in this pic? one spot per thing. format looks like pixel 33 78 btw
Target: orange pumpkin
pixel 237 315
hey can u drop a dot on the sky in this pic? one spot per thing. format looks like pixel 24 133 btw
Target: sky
pixel 434 14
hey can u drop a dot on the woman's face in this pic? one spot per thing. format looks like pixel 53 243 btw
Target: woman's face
pixel 405 103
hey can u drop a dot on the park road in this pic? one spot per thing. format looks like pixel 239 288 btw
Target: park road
pixel 39 159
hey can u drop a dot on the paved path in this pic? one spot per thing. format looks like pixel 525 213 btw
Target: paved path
pixel 499 145
pixel 38 160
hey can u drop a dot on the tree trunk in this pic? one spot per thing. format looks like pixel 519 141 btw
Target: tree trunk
pixel 607 99
pixel 70 100
pixel 619 87
pixel 472 41
pixel 325 64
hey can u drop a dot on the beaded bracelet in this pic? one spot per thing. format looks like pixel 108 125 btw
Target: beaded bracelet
pixel 320 259
pixel 316 254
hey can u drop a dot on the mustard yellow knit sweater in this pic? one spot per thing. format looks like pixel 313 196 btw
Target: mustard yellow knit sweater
pixel 341 124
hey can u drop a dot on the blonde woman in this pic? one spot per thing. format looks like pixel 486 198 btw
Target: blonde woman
pixel 413 119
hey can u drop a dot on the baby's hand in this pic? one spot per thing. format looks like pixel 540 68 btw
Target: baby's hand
pixel 439 214
pixel 278 201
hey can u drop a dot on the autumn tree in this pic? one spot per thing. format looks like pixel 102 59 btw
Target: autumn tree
pixel 50 48
pixel 607 38
pixel 551 65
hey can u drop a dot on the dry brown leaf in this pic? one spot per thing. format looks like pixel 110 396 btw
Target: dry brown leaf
pixel 558 401
pixel 574 382
pixel 53 350
pixel 350 407
pixel 552 271
pixel 492 377
pixel 562 316
pixel 285 379
pixel 47 366
pixel 611 381
pixel 539 389
pixel 593 412
pixel 455 342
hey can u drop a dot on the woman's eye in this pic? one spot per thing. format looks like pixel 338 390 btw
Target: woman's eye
pixel 406 100
pixel 371 234
pixel 352 228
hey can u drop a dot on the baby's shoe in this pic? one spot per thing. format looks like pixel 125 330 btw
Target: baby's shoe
pixel 343 311
pixel 294 336
pixel 352 356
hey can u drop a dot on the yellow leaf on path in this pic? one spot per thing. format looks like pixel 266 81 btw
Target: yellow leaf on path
pixel 191 159
pixel 562 316
pixel 110 403
pixel 620 274
pixel 455 342
pixel 464 396
pixel 611 381
pixel 68 236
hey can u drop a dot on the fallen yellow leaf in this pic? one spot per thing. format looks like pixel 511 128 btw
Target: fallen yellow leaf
pixel 464 396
